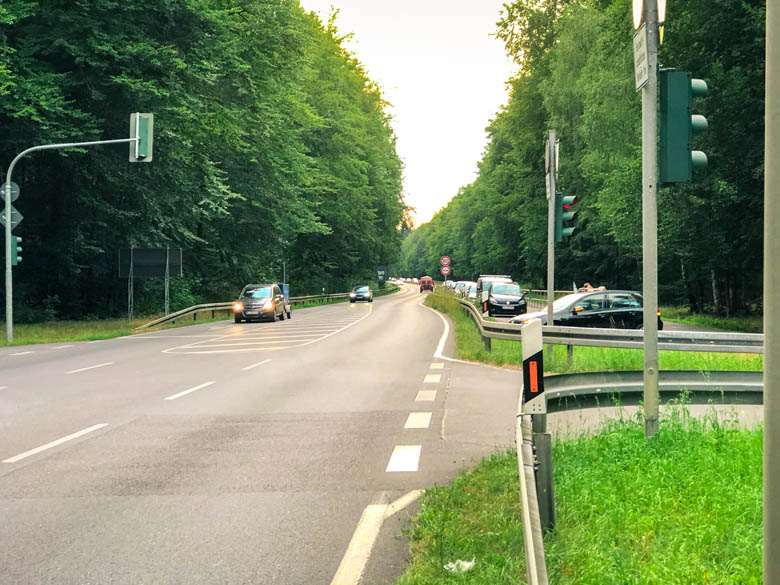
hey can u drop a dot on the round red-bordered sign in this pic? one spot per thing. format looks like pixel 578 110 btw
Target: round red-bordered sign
pixel 445 270
pixel 445 260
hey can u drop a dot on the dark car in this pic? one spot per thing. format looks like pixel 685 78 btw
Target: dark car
pixel 361 292
pixel 619 309
pixel 259 301
pixel 505 298
pixel 426 283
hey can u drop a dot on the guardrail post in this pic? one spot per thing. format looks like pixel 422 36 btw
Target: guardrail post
pixel 569 354
pixel 486 341
pixel 544 480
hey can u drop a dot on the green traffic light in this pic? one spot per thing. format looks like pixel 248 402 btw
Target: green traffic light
pixel 676 157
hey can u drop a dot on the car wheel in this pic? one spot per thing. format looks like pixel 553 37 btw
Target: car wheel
pixel 351 300
pixel 237 319
pixel 370 300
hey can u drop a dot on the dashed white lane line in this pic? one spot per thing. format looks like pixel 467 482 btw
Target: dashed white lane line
pixel 89 368
pixel 54 443
pixel 418 420
pixel 432 379
pixel 196 388
pixel 255 365
pixel 3 387
pixel 22 353
pixel 437 366
pixel 426 396
pixel 62 346
pixel 96 341
pixel 404 458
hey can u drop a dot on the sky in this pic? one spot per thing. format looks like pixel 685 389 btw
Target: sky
pixel 445 75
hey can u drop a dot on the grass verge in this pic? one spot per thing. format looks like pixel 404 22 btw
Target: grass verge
pixel 750 324
pixel 469 346
pixel 684 508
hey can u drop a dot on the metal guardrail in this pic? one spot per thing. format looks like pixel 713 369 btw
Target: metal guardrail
pixel 622 338
pixel 215 308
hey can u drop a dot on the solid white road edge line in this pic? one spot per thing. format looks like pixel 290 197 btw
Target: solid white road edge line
pixel 443 340
pixel 21 353
pixel 54 443
pixel 363 539
pixel 89 368
pixel 62 347
pixel 255 365
pixel 180 394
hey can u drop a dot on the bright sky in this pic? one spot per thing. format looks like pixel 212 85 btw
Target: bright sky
pixel 445 76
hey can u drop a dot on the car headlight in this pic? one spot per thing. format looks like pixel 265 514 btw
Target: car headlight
pixel 352 295
pixel 269 304
pixel 238 307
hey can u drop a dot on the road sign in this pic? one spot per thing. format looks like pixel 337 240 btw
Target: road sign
pixel 641 58
pixel 445 270
pixel 445 260
pixel 14 192
pixel 16 217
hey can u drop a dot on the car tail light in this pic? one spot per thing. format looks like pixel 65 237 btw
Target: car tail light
pixel 659 312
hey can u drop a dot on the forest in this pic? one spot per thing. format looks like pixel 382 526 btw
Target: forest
pixel 576 75
pixel 273 152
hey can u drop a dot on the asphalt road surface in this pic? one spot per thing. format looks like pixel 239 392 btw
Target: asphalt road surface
pixel 263 453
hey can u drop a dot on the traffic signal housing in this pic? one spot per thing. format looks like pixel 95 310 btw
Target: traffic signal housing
pixel 142 128
pixel 676 157
pixel 564 213
pixel 15 250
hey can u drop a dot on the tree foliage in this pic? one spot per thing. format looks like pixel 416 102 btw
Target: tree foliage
pixel 576 75
pixel 272 149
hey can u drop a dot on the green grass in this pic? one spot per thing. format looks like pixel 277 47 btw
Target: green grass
pixel 749 324
pixel 684 508
pixel 469 346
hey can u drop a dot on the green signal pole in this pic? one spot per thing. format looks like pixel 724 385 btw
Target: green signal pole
pixel 772 300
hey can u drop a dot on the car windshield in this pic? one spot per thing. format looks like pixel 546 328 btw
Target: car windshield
pixel 506 289
pixel 257 293
pixel 361 289
pixel 566 301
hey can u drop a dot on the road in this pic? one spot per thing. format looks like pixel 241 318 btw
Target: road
pixel 257 453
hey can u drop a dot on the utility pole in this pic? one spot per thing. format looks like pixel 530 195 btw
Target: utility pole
pixel 647 57
pixel 550 168
pixel 771 301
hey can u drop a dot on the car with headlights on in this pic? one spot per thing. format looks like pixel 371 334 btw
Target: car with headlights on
pixel 361 292
pixel 616 309
pixel 259 301
pixel 505 298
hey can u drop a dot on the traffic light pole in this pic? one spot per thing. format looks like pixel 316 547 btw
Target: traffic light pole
pixel 9 317
pixel 650 221
pixel 772 300
pixel 552 164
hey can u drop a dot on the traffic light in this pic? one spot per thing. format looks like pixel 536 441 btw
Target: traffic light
pixel 142 127
pixel 15 250
pixel 564 213
pixel 676 157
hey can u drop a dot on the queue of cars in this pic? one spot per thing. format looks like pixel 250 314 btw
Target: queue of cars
pixel 499 295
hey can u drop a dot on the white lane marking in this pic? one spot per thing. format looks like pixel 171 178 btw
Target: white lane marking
pixel 437 366
pixel 62 346
pixel 54 443
pixel 432 379
pixel 238 343
pixel 426 396
pixel 180 394
pixel 418 420
pixel 255 365
pixel 89 368
pixel 3 387
pixel 359 550
pixel 443 340
pixel 97 341
pixel 402 502
pixel 404 458
pixel 22 353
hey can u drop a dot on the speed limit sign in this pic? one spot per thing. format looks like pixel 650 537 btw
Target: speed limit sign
pixel 445 270
pixel 445 261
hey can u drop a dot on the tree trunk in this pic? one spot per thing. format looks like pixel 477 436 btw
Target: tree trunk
pixel 715 297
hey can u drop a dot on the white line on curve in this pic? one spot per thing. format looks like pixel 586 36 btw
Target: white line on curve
pixel 255 365
pixel 180 394
pixel 404 458
pixel 89 368
pixel 54 443
pixel 22 353
pixel 426 396
pixel 432 379
pixel 437 366
pixel 62 346
pixel 418 420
